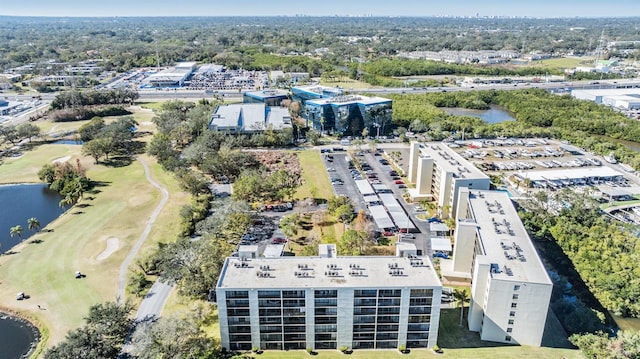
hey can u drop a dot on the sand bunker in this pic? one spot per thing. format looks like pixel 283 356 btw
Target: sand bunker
pixel 112 245
pixel 62 159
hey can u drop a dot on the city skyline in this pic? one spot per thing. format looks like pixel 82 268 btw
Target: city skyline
pixel 463 8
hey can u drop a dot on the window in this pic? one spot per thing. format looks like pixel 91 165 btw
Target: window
pixel 509 330
pixel 514 305
pixel 516 287
pixel 512 314
pixel 515 296
pixel 511 321
pixel 507 338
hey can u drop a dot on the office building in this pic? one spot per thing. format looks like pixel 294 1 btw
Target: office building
pixel 328 302
pixel 268 97
pixel 327 109
pixel 510 288
pixel 438 172
pixel 249 118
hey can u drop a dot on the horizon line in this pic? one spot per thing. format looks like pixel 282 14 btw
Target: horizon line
pixel 326 16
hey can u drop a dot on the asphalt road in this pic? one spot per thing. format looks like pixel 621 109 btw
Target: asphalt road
pixel 153 303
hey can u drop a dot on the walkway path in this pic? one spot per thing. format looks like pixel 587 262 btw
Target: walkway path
pixel 122 279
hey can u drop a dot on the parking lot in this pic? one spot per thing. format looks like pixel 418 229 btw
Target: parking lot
pixel 343 183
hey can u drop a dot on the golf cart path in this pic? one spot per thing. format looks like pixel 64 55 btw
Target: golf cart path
pixel 122 279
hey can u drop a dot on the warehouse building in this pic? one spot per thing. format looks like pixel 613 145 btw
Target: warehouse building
pixel 329 302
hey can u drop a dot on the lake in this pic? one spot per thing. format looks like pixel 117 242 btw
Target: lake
pixel 493 115
pixel 16 337
pixel 21 202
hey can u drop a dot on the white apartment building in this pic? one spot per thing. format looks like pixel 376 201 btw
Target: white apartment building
pixel 328 302
pixel 510 288
pixel 438 172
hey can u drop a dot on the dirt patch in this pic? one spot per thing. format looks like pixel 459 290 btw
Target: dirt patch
pixel 112 245
pixel 62 159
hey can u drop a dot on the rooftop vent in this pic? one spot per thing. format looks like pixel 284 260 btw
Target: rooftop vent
pixel 396 273
pixel 261 274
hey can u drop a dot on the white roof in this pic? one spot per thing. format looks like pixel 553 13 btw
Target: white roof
pixel 449 160
pixel 440 244
pixel 318 272
pixel 279 118
pixel 229 117
pixel 364 187
pixel 273 250
pixel 571 173
pixel 253 116
pixel 438 227
pixel 381 217
pixel 503 237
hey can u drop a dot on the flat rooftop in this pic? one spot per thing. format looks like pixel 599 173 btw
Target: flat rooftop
pixel 317 272
pixel 504 240
pixel 319 90
pixel 571 173
pixel 633 92
pixel 450 161
pixel 267 93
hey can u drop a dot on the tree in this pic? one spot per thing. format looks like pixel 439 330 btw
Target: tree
pixel 626 344
pixel 33 224
pixel 354 243
pixel 174 336
pixel 16 231
pixel 102 336
pixel 28 130
pixel 314 136
pixel 344 213
pixel 96 148
pixel 461 297
pixel 289 224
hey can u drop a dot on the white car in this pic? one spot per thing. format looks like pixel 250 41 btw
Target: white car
pixel 419 209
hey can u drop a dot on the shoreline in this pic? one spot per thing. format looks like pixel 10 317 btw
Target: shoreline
pixel 37 328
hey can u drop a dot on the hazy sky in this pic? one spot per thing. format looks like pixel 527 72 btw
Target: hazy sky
pixel 532 8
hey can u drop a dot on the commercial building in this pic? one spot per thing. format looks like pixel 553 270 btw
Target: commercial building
pixel 249 118
pixel 439 172
pixel 173 77
pixel 510 288
pixel 268 97
pixel 622 98
pixel 327 109
pixel 329 302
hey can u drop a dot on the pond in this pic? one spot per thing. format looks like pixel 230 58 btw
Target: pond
pixel 494 114
pixel 18 203
pixel 68 142
pixel 17 337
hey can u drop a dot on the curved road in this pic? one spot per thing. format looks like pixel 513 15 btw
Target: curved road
pixel 132 253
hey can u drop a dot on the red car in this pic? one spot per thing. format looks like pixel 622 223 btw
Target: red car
pixel 399 182
pixel 278 240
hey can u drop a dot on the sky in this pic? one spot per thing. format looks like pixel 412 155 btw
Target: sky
pixel 520 8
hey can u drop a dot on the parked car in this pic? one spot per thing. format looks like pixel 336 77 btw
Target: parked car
pixel 419 209
pixel 393 173
pixel 331 169
pixel 278 240
pixel 402 186
pixel 438 254
pixel 399 182
pixel 434 220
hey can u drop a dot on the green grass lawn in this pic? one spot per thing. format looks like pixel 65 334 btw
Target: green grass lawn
pixel 118 208
pixel 315 181
pixel 348 84
pixel 560 63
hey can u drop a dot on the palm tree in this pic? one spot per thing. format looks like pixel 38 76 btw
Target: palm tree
pixel 461 297
pixel 16 231
pixel 33 224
